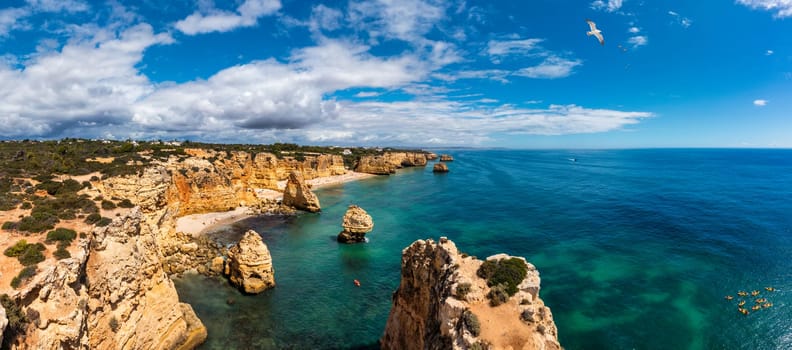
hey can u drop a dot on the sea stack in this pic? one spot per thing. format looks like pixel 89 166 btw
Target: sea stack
pixel 249 265
pixel 446 158
pixel 431 156
pixel 357 222
pixel 298 195
pixel 440 168
pixel 443 303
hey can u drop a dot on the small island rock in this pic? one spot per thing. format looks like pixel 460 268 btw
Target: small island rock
pixel 446 158
pixel 298 195
pixel 357 222
pixel 249 264
pixel 440 168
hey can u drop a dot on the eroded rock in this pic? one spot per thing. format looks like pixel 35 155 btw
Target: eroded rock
pixel 441 304
pixel 249 264
pixel 298 195
pixel 357 222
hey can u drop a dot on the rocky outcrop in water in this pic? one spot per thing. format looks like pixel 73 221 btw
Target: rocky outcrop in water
pixel 249 264
pixel 446 158
pixel 356 223
pixel 405 159
pixel 441 304
pixel 440 168
pixel 298 195
pixel 431 156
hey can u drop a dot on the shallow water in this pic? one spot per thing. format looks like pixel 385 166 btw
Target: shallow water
pixel 636 249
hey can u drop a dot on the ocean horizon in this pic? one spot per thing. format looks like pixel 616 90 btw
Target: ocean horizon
pixel 636 248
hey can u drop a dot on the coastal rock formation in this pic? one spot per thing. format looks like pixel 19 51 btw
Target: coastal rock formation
pixel 376 165
pixel 431 156
pixel 249 264
pixel 133 304
pixel 298 195
pixel 446 158
pixel 440 168
pixel 357 222
pixel 55 302
pixel 3 322
pixel 388 162
pixel 441 304
pixel 405 159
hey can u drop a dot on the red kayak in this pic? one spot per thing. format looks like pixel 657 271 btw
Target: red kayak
pixel 357 283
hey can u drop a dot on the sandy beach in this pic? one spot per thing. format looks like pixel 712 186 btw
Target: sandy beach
pixel 196 223
pixel 320 182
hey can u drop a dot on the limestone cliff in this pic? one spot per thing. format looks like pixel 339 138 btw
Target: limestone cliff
pixel 440 304
pixel 388 162
pixel 249 264
pixel 298 195
pixel 133 303
pixel 440 168
pixel 376 165
pixel 55 305
pixel 3 322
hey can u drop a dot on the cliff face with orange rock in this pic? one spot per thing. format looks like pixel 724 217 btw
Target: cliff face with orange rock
pixel 388 162
pixel 115 291
pixel 441 304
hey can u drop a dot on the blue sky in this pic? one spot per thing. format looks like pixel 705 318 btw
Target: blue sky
pixel 520 74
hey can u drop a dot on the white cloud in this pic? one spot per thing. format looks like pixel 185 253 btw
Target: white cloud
pixel 782 8
pixel 681 20
pixel 474 122
pixel 9 19
pixel 610 6
pixel 634 30
pixel 58 5
pixel 760 103
pixel 89 81
pixel 552 67
pixel 364 94
pixel 638 40
pixel 769 52
pixel 497 48
pixel 214 20
pixel 407 20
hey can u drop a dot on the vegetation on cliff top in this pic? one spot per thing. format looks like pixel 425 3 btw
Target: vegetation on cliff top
pixel 503 276
pixel 28 159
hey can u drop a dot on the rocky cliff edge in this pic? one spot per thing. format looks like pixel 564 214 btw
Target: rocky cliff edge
pixel 441 303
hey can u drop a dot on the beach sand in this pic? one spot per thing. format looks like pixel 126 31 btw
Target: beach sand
pixel 196 223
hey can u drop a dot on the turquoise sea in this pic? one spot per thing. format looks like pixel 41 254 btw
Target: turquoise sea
pixel 636 249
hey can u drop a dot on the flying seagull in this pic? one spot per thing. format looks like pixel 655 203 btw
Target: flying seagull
pixel 595 32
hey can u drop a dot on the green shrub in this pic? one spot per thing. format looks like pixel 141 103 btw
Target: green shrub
pixel 462 290
pixel 37 222
pixel 471 323
pixel 25 274
pixel 32 255
pixel 104 222
pixel 62 235
pixel 126 203
pixel 17 249
pixel 61 253
pixel 93 218
pixel 498 294
pixel 26 206
pixel 16 321
pixel 108 205
pixel 508 272
pixel 9 225
pixel 113 324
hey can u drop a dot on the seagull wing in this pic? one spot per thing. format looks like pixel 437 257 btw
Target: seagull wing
pixel 600 38
pixel 592 25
